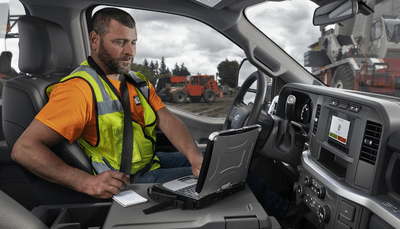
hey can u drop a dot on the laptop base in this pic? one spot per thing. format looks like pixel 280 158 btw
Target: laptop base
pixel 167 198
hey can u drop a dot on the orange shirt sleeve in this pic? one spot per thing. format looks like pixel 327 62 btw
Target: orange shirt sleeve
pixel 154 100
pixel 70 110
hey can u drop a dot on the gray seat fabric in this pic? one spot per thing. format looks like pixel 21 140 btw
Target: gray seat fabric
pixel 45 58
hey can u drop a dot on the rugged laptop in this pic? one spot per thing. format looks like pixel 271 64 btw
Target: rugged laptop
pixel 224 170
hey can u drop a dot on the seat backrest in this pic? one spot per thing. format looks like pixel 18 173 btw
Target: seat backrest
pixel 45 57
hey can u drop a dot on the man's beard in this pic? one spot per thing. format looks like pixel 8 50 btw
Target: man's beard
pixel 113 64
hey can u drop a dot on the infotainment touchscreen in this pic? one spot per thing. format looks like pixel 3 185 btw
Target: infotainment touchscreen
pixel 339 129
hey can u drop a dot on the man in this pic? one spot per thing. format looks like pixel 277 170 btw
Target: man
pixel 78 109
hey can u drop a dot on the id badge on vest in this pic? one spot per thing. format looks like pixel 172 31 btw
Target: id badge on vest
pixel 137 100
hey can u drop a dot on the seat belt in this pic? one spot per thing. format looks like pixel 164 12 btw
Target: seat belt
pixel 127 144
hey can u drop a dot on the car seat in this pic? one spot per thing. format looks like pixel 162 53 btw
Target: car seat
pixel 14 215
pixel 45 58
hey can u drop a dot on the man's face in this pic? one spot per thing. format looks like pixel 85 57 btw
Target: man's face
pixel 117 48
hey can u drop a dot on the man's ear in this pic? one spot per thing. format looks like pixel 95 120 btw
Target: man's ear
pixel 94 40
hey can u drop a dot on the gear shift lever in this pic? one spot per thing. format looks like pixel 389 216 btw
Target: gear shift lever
pixel 285 139
pixel 289 109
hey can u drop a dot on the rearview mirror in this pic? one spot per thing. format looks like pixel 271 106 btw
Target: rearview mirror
pixel 335 12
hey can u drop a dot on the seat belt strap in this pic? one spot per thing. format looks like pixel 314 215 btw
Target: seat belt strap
pixel 127 144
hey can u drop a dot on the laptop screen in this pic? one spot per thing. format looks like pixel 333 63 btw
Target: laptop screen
pixel 227 158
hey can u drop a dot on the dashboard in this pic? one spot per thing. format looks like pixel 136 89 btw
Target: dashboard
pixel 350 162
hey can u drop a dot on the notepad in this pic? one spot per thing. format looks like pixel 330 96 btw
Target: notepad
pixel 129 198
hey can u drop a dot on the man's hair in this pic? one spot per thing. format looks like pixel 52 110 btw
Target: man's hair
pixel 102 18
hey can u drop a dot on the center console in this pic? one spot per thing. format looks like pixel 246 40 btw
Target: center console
pixel 351 162
pixel 239 210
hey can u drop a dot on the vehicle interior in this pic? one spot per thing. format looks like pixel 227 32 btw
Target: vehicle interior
pixel 334 153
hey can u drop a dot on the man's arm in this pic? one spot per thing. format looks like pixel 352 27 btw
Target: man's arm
pixel 32 150
pixel 180 137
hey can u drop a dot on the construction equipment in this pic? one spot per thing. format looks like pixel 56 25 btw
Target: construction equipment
pixel 356 57
pixel 196 87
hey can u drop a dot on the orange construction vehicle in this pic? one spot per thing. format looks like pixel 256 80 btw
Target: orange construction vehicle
pixel 195 87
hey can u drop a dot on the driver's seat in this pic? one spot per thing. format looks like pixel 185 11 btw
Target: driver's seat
pixel 45 58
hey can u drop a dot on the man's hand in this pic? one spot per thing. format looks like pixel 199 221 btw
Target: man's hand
pixel 180 137
pixel 106 184
pixel 196 163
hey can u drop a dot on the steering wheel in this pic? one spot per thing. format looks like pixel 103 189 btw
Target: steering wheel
pixel 246 115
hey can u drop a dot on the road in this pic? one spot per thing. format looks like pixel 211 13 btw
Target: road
pixel 219 108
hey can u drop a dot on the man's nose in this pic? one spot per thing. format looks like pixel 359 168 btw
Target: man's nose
pixel 130 49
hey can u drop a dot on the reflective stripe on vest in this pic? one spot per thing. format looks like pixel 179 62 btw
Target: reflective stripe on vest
pixel 110 123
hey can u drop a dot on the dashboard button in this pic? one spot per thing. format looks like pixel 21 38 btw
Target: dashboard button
pixel 343 106
pixel 340 225
pixel 334 103
pixel 354 108
pixel 347 211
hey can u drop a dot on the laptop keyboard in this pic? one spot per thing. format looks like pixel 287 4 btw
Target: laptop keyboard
pixel 189 191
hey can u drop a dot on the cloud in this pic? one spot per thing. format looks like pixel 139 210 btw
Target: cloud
pixel 180 40
pixel 201 48
pixel 288 24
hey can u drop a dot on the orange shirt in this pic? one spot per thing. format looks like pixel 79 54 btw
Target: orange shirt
pixel 71 110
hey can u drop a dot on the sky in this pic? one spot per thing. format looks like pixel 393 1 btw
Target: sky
pixel 288 24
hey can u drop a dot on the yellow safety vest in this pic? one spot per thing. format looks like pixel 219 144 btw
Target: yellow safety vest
pixel 110 122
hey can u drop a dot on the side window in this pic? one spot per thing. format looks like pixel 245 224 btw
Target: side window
pixel 376 30
pixel 192 66
pixel 9 51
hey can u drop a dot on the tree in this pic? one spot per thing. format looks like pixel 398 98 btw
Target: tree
pixel 152 66
pixel 163 68
pixel 145 71
pixel 146 63
pixel 227 71
pixel 180 71
pixel 176 70
pixel 184 71
pixel 156 67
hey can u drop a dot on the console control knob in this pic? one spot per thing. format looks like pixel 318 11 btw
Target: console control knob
pixel 324 214
pixel 321 192
pixel 299 190
pixel 307 181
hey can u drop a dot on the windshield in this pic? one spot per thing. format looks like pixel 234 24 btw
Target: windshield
pixel 359 54
pixel 392 29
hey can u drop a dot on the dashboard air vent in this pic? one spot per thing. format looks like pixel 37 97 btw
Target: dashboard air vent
pixel 370 145
pixel 316 119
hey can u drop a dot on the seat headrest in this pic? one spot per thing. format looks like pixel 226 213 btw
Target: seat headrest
pixel 44 46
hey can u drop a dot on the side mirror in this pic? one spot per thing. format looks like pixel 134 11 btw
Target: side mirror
pixel 335 12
